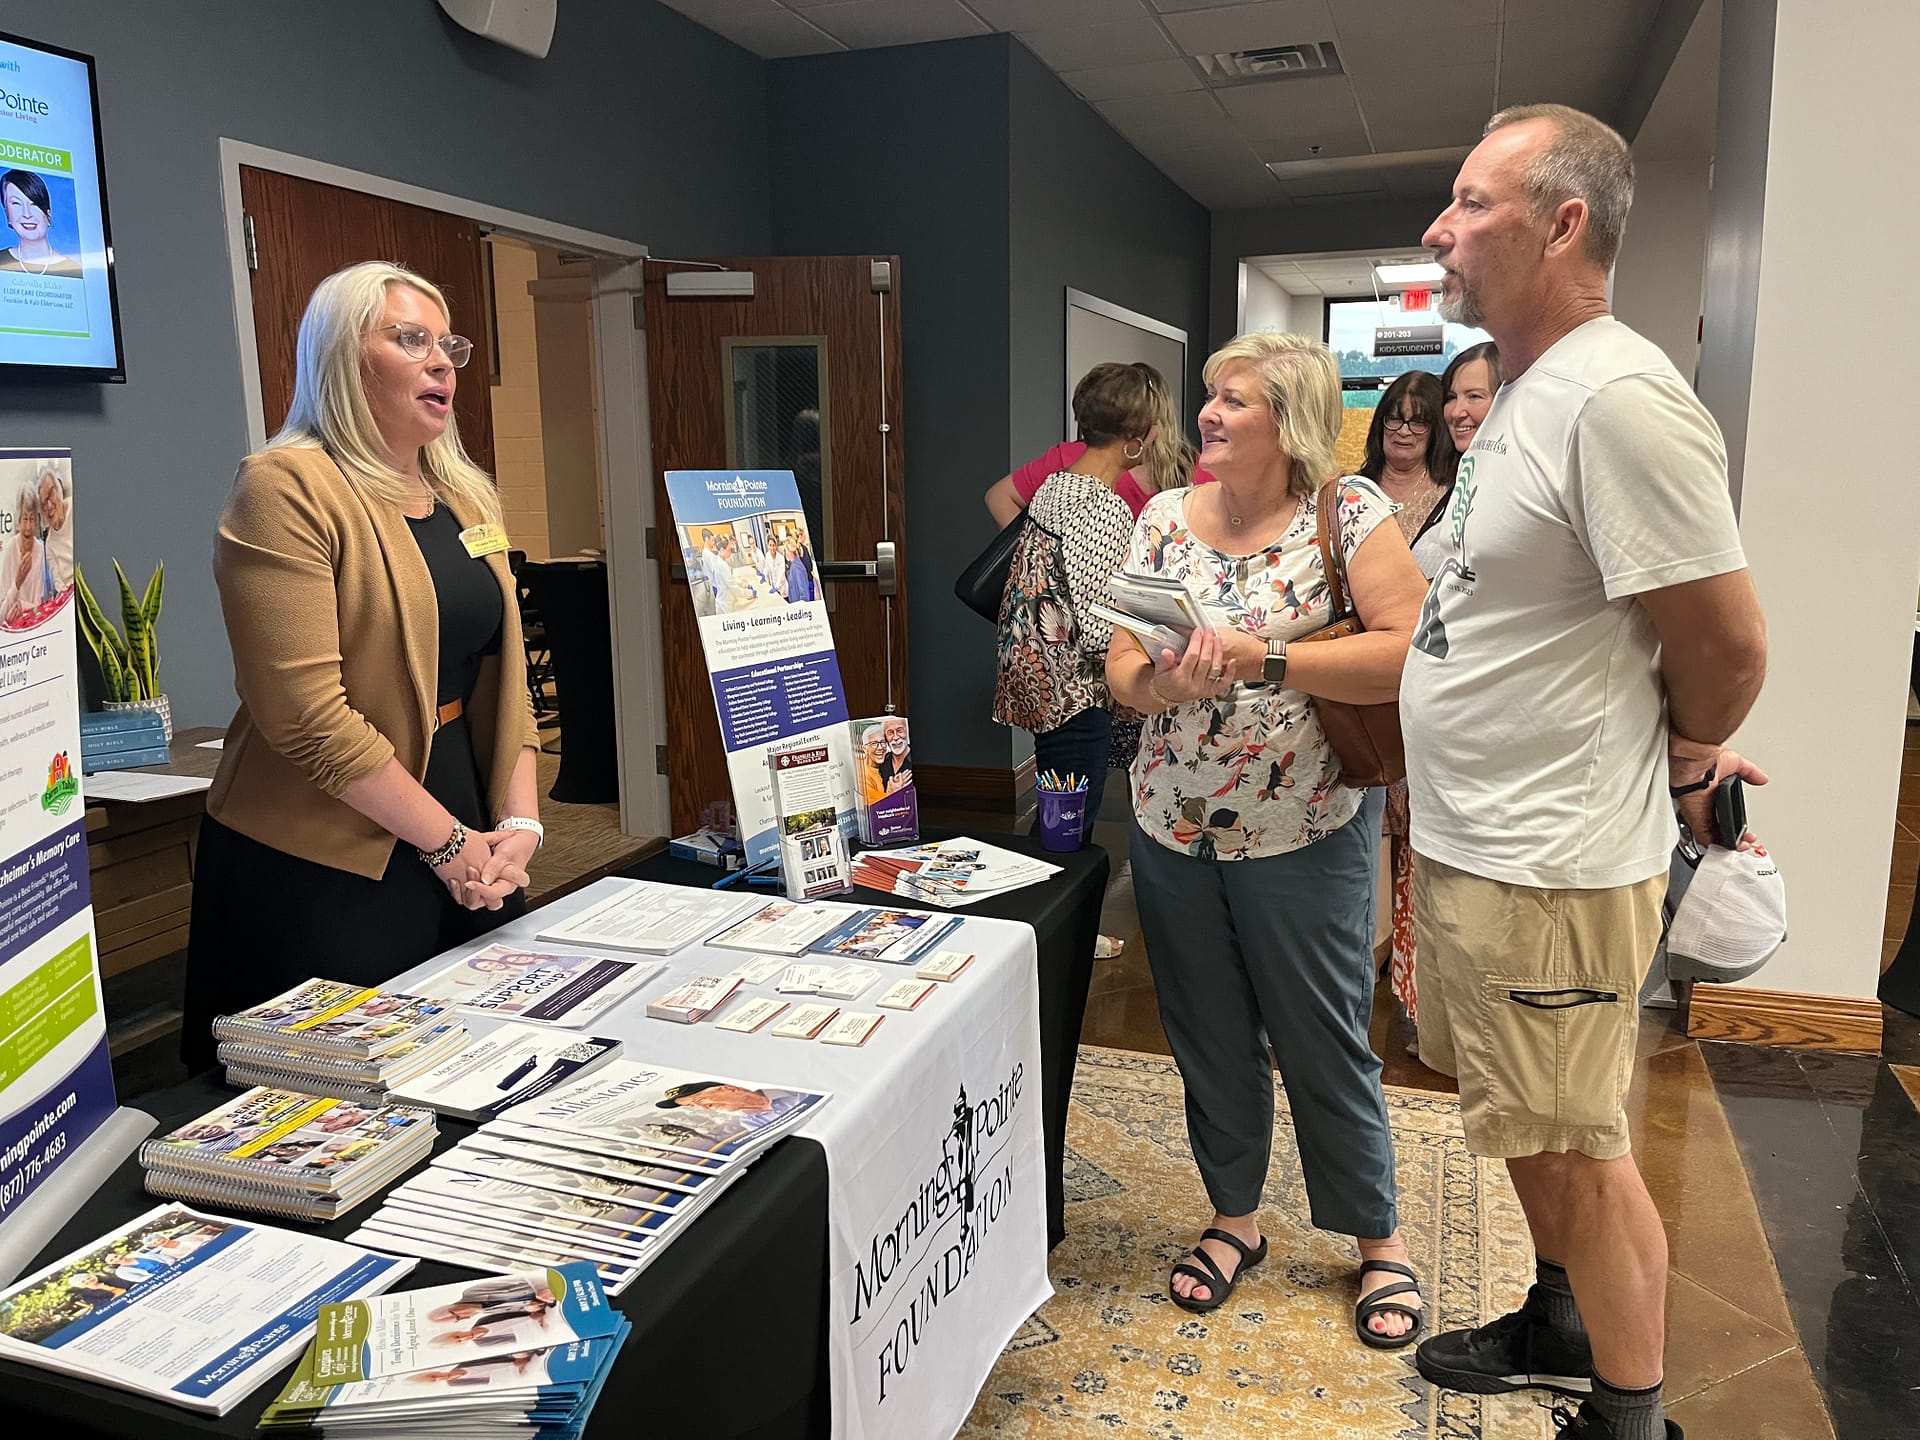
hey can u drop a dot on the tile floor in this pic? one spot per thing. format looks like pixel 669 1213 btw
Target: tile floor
pixel 1789 1184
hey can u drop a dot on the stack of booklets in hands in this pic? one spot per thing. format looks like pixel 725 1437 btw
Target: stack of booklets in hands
pixel 524 1353
pixel 289 1154
pixel 949 873
pixel 605 1170
pixel 191 1309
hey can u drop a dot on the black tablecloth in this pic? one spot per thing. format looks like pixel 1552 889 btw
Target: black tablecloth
pixel 1064 912
pixel 748 1277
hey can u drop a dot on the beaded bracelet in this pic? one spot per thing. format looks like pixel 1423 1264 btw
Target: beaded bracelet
pixel 456 842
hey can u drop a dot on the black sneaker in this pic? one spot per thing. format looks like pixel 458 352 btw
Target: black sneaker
pixel 1590 1424
pixel 1515 1352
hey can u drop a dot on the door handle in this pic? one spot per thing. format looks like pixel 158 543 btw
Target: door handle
pixel 883 569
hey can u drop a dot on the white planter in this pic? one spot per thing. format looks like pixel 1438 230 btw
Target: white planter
pixel 158 703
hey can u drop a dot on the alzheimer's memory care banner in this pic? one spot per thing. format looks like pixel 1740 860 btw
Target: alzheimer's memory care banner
pixel 763 624
pixel 56 1084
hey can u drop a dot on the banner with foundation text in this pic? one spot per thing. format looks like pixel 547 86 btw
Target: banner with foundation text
pixel 764 628
pixel 56 1084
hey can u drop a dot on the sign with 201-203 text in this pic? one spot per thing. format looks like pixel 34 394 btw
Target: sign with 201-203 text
pixel 1391 340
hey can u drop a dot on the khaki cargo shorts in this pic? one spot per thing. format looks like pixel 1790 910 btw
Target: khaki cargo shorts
pixel 1531 998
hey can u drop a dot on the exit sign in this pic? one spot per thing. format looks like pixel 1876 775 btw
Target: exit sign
pixel 1418 299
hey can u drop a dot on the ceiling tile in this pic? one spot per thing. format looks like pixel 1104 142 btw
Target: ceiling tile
pixel 1248 27
pixel 1122 42
pixel 1410 22
pixel 1172 139
pixel 1428 127
pixel 1151 77
pixel 1437 50
pixel 1053 14
pixel 1279 108
pixel 869 24
pixel 1469 85
pixel 1189 107
pixel 1593 33
pixel 770 31
pixel 1300 146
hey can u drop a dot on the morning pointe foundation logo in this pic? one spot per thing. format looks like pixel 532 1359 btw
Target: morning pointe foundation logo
pixel 62 785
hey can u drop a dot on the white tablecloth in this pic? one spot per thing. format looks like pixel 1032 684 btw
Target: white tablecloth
pixel 938 1224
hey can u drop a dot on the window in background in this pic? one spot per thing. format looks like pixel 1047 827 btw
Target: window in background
pixel 1349 334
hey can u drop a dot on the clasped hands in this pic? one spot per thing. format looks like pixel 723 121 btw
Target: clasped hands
pixel 1214 660
pixel 489 868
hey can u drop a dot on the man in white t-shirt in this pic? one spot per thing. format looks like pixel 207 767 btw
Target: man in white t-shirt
pixel 1588 645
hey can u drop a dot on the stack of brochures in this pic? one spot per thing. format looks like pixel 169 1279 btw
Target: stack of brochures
pixel 1159 614
pixel 553 987
pixel 342 1077
pixel 509 1065
pixel 950 873
pixel 289 1154
pixel 525 1353
pixel 897 937
pixel 605 1170
pixel 650 917
pixel 190 1309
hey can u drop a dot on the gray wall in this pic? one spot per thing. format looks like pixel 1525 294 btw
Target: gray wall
pixel 1737 211
pixel 1090 212
pixel 638 124
pixel 904 151
pixel 1304 229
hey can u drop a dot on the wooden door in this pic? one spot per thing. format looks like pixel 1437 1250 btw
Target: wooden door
pixel 303 231
pixel 747 384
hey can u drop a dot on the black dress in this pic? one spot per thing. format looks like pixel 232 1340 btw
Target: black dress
pixel 264 920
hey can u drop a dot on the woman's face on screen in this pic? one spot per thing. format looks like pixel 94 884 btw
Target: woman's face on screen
pixel 28 220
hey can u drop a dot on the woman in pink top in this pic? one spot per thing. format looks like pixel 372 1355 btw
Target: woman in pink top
pixel 1167 464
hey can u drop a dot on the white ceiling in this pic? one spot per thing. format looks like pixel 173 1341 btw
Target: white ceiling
pixel 1417 79
pixel 1333 274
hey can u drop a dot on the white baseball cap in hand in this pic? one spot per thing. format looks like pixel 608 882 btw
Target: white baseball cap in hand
pixel 1728 918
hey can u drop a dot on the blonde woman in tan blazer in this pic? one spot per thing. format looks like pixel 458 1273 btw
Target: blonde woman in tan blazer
pixel 376 796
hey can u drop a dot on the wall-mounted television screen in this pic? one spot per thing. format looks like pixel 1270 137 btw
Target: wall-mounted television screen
pixel 59 312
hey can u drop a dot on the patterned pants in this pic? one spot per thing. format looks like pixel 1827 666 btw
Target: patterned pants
pixel 1400 851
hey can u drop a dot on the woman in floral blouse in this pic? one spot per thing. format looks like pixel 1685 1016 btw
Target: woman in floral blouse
pixel 1253 865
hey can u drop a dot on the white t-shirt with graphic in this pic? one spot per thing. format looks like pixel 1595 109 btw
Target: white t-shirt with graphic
pixel 1532 703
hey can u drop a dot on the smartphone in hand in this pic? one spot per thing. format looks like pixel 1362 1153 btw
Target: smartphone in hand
pixel 1730 812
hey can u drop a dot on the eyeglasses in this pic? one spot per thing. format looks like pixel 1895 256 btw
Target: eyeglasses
pixel 419 344
pixel 1413 427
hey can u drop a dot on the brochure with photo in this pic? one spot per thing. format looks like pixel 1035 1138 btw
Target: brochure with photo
pixel 550 1170
pixel 694 1111
pixel 385 1234
pixel 806 778
pixel 192 1309
pixel 888 809
pixel 895 937
pixel 506 1067
pixel 420 1329
pixel 782 927
pixel 548 1391
pixel 549 986
pixel 534 1206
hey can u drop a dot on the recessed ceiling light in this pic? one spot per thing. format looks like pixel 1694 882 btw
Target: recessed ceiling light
pixel 1416 274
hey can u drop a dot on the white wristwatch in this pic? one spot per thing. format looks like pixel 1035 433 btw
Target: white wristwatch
pixel 521 822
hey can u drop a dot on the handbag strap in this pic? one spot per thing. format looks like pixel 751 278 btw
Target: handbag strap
pixel 1328 501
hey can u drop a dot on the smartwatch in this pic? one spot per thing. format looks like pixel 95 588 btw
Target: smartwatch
pixel 521 822
pixel 1273 669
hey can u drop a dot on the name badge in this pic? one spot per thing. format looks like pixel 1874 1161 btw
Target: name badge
pixel 483 540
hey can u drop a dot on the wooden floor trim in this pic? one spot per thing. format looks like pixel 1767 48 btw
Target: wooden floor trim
pixel 1786 1018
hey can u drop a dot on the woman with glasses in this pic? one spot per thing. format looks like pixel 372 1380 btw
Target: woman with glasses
pixel 1410 456
pixel 375 802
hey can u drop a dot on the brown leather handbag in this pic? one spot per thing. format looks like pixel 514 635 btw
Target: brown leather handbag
pixel 1365 738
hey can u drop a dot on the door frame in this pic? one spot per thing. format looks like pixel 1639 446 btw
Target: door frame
pixel 626 446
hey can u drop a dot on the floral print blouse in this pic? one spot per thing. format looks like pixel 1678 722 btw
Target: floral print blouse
pixel 1249 773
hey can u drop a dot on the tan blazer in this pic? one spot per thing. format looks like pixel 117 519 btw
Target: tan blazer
pixel 335 632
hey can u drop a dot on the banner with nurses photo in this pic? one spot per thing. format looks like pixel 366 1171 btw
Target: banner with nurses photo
pixel 56 1083
pixel 763 625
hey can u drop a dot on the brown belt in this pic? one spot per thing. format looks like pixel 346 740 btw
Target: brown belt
pixel 448 713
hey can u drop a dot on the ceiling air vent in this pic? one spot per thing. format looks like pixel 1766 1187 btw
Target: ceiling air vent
pixel 1272 62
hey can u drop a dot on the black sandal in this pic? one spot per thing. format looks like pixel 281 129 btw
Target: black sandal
pixel 1212 1276
pixel 1381 1302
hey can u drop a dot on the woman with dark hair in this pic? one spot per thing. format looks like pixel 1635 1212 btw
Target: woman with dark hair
pixel 29 210
pixel 1406 446
pixel 1466 394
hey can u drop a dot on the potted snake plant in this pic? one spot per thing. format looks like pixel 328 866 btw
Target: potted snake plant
pixel 129 655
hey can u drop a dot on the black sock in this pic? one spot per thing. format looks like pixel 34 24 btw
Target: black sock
pixel 1633 1414
pixel 1563 1311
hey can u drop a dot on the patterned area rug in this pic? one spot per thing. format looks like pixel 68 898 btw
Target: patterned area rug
pixel 1111 1355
